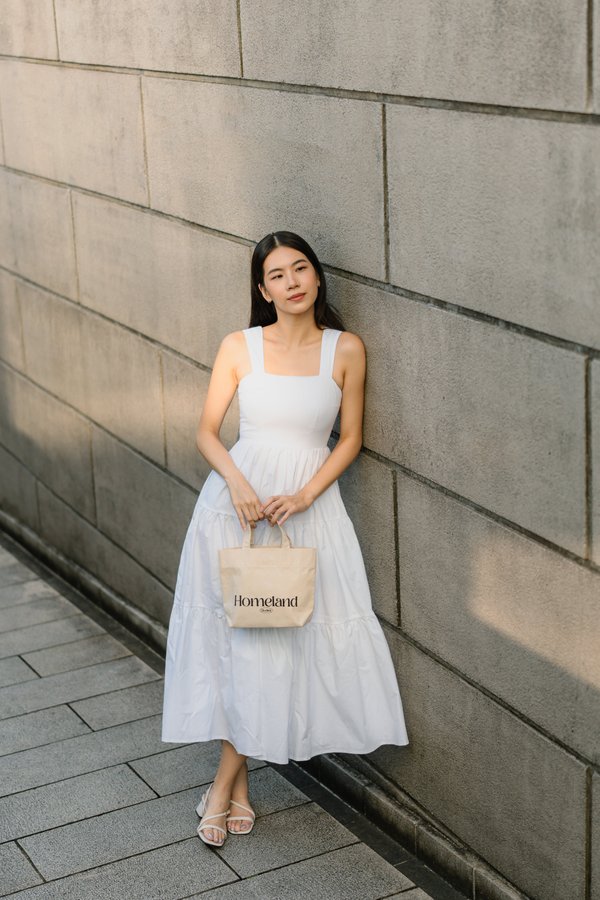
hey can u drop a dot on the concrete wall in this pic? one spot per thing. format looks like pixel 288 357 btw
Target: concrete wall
pixel 444 161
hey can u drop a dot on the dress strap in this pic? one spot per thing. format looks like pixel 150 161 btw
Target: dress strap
pixel 254 340
pixel 330 339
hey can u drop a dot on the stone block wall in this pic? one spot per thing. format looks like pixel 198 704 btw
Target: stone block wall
pixel 444 161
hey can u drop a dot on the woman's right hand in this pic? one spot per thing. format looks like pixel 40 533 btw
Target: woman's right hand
pixel 245 500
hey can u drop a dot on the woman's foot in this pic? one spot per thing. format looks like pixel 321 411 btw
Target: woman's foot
pixel 239 794
pixel 218 800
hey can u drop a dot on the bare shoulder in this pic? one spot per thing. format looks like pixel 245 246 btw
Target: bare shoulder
pixel 351 348
pixel 232 347
pixel 233 341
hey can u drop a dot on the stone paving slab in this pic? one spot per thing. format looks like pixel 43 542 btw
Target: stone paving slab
pixel 77 755
pixel 13 572
pixel 184 767
pixel 106 838
pixel 170 873
pixel 14 671
pixel 114 835
pixel 34 612
pixel 40 727
pixel 121 706
pixel 70 800
pixel 354 872
pixel 47 634
pixel 54 689
pixel 23 592
pixel 17 871
pixel 77 654
pixel 285 837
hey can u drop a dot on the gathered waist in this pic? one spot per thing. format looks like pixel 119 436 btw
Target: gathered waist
pixel 273 441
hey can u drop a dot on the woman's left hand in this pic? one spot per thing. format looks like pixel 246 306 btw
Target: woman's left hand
pixel 278 507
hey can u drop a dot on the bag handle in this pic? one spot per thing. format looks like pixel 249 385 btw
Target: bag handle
pixel 247 542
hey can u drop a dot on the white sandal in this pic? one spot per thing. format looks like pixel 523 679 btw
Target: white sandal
pixel 250 819
pixel 204 820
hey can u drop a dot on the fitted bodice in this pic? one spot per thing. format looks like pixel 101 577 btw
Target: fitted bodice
pixel 288 410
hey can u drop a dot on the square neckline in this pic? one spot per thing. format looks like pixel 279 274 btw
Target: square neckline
pixel 279 375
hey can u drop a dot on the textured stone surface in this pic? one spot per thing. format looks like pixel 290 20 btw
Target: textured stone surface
pixel 314 830
pixel 109 837
pixel 517 618
pixel 190 765
pixel 124 705
pixel 36 232
pixel 184 387
pixel 23 591
pixel 214 149
pixel 85 753
pixel 354 873
pixel 76 655
pixel 47 633
pixel 140 507
pixel 595 404
pixel 84 544
pixel 498 214
pixel 66 686
pixel 70 800
pixel 192 37
pixel 513 796
pixel 596 59
pixel 13 575
pixel 368 494
pixel 595 894
pixel 67 350
pixel 41 727
pixel 183 286
pixel 14 671
pixel 48 129
pixel 11 335
pixel 51 439
pixel 493 415
pixel 17 871
pixel 174 871
pixel 515 54
pixel 23 615
pixel 17 488
pixel 27 29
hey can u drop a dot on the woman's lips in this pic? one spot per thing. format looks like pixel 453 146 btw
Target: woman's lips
pixel 296 297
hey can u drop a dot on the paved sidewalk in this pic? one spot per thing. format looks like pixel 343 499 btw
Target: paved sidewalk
pixel 94 805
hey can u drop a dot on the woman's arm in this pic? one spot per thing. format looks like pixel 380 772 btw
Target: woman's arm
pixel 351 352
pixel 221 390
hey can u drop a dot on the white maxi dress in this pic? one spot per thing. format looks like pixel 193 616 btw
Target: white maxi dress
pixel 280 693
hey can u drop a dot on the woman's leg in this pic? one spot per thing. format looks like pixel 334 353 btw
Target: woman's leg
pixel 229 767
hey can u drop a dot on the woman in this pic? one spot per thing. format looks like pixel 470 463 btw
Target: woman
pixel 279 693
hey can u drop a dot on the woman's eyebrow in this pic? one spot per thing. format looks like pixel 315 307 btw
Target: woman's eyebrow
pixel 280 270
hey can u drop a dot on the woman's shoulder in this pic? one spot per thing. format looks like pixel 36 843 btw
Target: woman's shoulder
pixel 233 340
pixel 351 346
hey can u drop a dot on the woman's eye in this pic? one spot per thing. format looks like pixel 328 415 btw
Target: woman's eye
pixel 299 269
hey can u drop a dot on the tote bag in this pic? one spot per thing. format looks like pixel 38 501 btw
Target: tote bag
pixel 268 586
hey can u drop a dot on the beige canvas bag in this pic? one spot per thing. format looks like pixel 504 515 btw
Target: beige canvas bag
pixel 268 586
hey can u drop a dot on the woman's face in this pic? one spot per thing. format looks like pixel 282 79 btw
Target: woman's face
pixel 287 272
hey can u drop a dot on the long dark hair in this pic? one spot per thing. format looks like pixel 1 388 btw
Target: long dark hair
pixel 263 313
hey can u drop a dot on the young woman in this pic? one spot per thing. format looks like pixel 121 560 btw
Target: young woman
pixel 279 693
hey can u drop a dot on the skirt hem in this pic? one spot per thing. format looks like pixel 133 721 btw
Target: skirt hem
pixel 263 757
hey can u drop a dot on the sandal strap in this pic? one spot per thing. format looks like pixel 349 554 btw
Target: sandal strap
pixel 243 807
pixel 241 818
pixel 215 816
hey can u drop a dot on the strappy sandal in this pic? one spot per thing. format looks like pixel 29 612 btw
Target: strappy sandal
pixel 204 823
pixel 250 819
